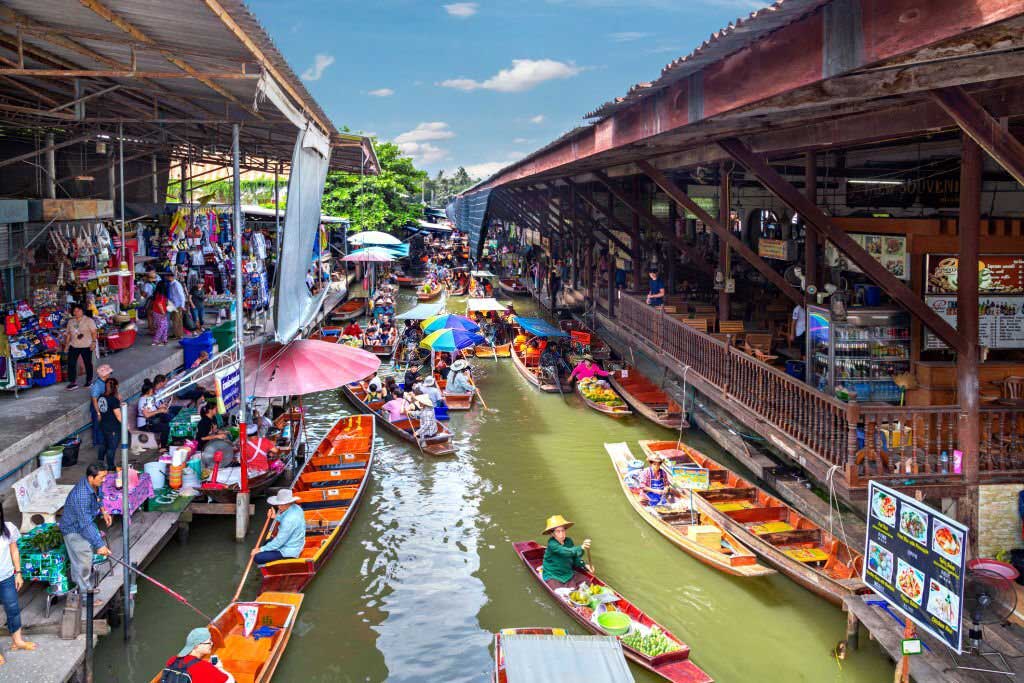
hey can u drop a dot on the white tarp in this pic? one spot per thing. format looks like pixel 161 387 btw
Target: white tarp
pixel 558 659
pixel 474 305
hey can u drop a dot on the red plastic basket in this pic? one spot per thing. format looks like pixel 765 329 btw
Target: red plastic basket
pixel 121 340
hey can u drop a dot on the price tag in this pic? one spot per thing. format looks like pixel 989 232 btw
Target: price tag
pixel 912 646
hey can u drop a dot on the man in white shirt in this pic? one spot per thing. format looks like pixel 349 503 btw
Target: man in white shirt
pixel 797 326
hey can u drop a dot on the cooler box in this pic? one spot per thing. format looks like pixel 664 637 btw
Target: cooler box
pixel 122 339
pixel 193 346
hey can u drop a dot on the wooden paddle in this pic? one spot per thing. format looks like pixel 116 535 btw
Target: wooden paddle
pixel 245 574
pixel 405 409
pixel 479 395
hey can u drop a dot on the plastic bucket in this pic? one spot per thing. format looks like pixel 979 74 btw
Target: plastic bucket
pixel 69 453
pixel 193 346
pixel 157 474
pixel 189 478
pixel 52 459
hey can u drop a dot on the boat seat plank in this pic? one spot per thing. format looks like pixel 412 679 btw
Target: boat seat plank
pixel 729 493
pixel 794 536
pixel 758 514
pixel 807 555
pixel 771 527
pixel 734 505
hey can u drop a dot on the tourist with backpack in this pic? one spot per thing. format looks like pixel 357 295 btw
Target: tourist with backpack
pixel 194 664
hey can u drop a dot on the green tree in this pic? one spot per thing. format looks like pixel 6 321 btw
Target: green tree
pixel 440 189
pixel 387 201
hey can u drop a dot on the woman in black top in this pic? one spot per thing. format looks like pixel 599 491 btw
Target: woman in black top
pixel 109 409
pixel 208 429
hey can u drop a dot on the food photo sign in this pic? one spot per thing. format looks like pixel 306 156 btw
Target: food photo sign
pixel 915 559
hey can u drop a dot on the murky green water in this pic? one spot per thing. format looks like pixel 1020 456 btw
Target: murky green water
pixel 427 572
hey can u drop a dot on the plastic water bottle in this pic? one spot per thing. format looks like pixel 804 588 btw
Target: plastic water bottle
pixel 286 433
pixel 944 463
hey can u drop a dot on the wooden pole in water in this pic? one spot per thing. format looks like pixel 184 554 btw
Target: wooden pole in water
pixel 902 674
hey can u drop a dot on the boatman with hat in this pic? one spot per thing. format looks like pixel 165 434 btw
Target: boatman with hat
pixel 562 558
pixel 193 663
pixel 291 529
pixel 459 379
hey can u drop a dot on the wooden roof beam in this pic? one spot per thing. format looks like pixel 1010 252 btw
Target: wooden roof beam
pixel 808 210
pixel 985 130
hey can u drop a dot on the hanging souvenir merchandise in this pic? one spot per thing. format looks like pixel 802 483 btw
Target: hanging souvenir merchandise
pixel 30 347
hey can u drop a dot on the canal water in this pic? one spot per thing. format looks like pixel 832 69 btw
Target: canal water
pixel 427 572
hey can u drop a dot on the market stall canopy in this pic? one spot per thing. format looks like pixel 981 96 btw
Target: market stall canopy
pixel 421 312
pixel 482 273
pixel 485 305
pixel 304 366
pixel 556 659
pixel 539 327
pixel 450 321
pixel 451 340
pixel 370 255
pixel 374 237
pixel 263 212
pixel 434 227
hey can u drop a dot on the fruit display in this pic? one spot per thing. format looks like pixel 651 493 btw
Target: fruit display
pixel 653 644
pixel 348 340
pixel 579 598
pixel 594 390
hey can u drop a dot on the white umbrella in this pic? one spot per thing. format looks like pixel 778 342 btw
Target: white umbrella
pixel 373 237
pixel 370 255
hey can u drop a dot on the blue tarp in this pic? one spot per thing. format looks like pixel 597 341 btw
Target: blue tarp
pixel 469 214
pixel 539 327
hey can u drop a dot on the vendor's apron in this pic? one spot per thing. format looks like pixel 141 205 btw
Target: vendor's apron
pixel 657 483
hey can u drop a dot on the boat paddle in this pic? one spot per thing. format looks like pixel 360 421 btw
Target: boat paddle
pixel 245 574
pixel 177 596
pixel 479 395
pixel 405 409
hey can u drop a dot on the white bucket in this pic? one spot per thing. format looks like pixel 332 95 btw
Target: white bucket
pixel 51 460
pixel 189 478
pixel 157 472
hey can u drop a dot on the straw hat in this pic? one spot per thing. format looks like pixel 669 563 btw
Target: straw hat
pixel 460 365
pixel 429 381
pixel 556 521
pixel 655 456
pixel 282 497
pixel 587 356
pixel 424 401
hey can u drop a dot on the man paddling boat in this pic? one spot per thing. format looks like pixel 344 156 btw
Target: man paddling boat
pixel 291 529
pixel 562 557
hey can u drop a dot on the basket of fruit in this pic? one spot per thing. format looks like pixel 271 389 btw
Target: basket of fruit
pixel 652 644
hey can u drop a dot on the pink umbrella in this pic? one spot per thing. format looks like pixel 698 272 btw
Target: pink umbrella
pixel 303 367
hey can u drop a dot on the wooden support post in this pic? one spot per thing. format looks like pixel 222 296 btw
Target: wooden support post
pixel 51 168
pixel 852 631
pixel 724 265
pixel 974 120
pixel 811 233
pixel 156 180
pixel 969 428
pixel 241 513
pixel 183 188
pixel 635 254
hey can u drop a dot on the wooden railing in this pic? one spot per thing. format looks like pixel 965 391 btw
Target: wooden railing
pixel 891 441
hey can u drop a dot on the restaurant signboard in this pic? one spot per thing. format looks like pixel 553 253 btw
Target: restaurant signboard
pixel 915 559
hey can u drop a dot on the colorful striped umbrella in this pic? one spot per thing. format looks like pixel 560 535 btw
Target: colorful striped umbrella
pixel 451 341
pixel 449 321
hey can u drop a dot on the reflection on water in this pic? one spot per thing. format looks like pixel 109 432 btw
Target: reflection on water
pixel 427 573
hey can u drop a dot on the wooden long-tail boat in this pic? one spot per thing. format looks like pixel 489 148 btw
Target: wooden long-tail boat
pixel 409 281
pixel 485 351
pixel 646 398
pixel 278 458
pixel 435 291
pixel 673 666
pixel 330 486
pixel 702 539
pixel 246 658
pixel 616 410
pixel 348 310
pixel 439 444
pixel 785 539
pixel 459 290
pixel 513 287
pixel 537 376
pixel 459 401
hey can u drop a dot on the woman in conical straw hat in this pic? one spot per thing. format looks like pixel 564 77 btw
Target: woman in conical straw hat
pixel 563 559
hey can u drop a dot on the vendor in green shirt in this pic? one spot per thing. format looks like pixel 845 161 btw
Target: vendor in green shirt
pixel 562 557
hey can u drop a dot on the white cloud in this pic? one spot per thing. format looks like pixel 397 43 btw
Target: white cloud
pixel 523 75
pixel 423 153
pixel 462 9
pixel 425 132
pixel 382 92
pixel 320 64
pixel 538 119
pixel 486 169
pixel 627 36
pixel 521 141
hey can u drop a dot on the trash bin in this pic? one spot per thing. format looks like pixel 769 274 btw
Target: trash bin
pixel 69 457
pixel 795 368
pixel 193 346
pixel 224 335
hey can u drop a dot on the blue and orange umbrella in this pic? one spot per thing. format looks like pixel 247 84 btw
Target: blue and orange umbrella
pixel 449 321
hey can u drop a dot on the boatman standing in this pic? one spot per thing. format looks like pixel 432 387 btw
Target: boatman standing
pixel 78 524
pixel 291 529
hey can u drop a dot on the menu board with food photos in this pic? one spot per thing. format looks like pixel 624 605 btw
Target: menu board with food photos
pixel 998 274
pixel 889 250
pixel 915 559
pixel 1000 300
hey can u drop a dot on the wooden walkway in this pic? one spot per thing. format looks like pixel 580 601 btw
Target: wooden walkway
pixel 935 665
pixel 56 660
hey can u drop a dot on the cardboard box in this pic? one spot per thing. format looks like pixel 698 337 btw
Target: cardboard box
pixel 77 209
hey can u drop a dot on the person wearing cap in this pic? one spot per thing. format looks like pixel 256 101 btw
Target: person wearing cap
pixel 291 529
pixel 653 480
pixel 563 559
pixel 459 379
pixel 96 389
pixel 423 410
pixel 193 662
pixel 587 368
pixel 431 391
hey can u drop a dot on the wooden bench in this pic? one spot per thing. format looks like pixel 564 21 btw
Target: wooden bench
pixel 759 345
pixel 733 327
pixel 39 495
pixel 699 324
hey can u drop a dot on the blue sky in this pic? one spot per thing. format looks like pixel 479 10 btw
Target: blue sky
pixel 480 84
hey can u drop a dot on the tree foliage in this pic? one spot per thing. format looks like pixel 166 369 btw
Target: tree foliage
pixel 387 201
pixel 441 188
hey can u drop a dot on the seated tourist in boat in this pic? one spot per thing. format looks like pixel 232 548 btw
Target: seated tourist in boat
pixel 519 341
pixel 459 379
pixel 374 390
pixel 352 329
pixel 532 352
pixel 412 376
pixel 371 333
pixel 423 410
pixel 551 358
pixel 587 368
pixel 441 363
pixel 431 391
pixel 192 662
pixel 395 408
pixel 562 558
pixel 653 480
pixel 291 529
pixel 391 389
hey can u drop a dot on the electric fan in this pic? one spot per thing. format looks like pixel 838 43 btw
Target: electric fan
pixel 989 599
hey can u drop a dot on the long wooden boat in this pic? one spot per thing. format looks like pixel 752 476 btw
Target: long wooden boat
pixel 409 281
pixel 513 287
pixel 247 659
pixel 459 291
pixel 536 376
pixel 485 351
pixel 278 457
pixel 348 310
pixel 382 350
pixel 615 410
pixel 646 398
pixel 787 540
pixel 459 401
pixel 439 444
pixel 330 486
pixel 673 666
pixel 702 539
pixel 435 292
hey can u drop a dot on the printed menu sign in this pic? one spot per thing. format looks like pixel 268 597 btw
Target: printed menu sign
pixel 997 274
pixel 916 561
pixel 1000 320
pixel 889 250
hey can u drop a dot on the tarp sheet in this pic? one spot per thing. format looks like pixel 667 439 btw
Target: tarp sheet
pixel 421 312
pixel 557 659
pixel 474 305
pixel 469 214
pixel 539 327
